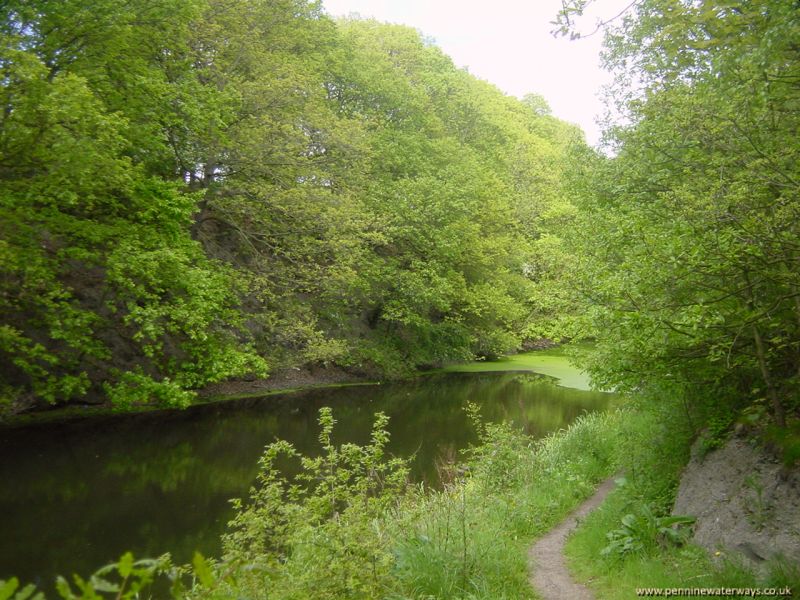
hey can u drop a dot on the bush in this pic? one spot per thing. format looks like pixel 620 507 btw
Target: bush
pixel 324 535
pixel 350 526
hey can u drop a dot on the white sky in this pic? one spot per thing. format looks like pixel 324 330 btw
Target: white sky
pixel 508 42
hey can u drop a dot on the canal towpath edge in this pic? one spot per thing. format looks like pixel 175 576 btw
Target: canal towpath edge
pixel 549 574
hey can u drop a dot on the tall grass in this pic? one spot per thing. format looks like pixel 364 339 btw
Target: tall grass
pixel 653 452
pixel 353 531
pixel 470 540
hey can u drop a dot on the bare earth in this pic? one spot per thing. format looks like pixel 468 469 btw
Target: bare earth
pixel 549 575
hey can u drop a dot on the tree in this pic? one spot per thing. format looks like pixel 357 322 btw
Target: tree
pixel 690 240
pixel 103 285
pixel 192 191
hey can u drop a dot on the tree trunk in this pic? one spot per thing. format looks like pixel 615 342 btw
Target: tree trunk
pixel 777 407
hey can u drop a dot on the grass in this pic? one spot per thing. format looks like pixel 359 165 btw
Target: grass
pixel 471 540
pixel 467 541
pixel 616 578
pixel 654 451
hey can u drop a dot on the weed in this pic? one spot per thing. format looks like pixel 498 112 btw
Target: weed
pixel 350 526
pixel 644 531
pixel 759 510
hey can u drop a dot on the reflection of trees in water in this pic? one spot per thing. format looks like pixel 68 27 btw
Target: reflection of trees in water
pixel 446 465
pixel 167 470
pixel 157 483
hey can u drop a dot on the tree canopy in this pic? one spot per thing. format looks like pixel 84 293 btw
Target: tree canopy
pixel 208 189
pixel 689 234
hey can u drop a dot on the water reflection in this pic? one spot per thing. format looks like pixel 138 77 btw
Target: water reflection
pixel 78 494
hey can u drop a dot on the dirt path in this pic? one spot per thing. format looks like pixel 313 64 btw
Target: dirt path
pixel 548 569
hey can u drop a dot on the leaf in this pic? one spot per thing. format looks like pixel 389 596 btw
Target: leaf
pixel 202 570
pixel 125 565
pixel 7 588
pixel 629 520
pixel 63 588
pixel 103 585
pixel 676 520
pixel 28 592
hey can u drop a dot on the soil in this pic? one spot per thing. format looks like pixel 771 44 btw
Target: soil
pixel 287 379
pixel 746 503
pixel 549 574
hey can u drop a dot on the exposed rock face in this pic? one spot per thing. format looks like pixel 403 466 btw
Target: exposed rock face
pixel 745 502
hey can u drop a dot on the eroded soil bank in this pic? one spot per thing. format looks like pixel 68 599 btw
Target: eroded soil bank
pixel 746 502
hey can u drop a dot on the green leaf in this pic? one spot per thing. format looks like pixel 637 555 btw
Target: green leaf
pixel 63 588
pixel 629 520
pixel 103 585
pixel 28 592
pixel 125 565
pixel 676 520
pixel 7 588
pixel 202 570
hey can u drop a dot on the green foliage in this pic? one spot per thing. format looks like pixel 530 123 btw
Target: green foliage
pixel 100 271
pixel 136 390
pixel 9 590
pixel 783 573
pixel 652 478
pixel 618 576
pixel 126 579
pixel 758 508
pixel 191 191
pixel 717 433
pixel 643 531
pixel 450 187
pixel 616 560
pixel 686 236
pixel 787 441
pixel 323 535
pixel 470 540
pixel 496 460
pixel 350 526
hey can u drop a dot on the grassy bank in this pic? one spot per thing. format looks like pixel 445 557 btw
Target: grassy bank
pixel 355 529
pixel 351 527
pixel 357 533
pixel 623 546
pixel 471 540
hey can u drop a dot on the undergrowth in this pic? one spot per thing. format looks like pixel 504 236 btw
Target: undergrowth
pixel 470 539
pixel 616 560
pixel 351 527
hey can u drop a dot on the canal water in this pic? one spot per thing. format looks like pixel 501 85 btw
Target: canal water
pixel 76 495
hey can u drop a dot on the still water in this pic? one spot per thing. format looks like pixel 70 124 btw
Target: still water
pixel 76 495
